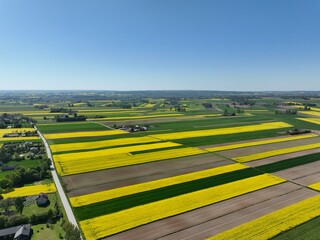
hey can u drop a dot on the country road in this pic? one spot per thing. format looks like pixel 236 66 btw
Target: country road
pixel 56 179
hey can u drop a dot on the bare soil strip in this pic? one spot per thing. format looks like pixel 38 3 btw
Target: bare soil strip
pixel 299 172
pixel 268 147
pixel 281 158
pixel 220 216
pixel 86 183
pixel 308 180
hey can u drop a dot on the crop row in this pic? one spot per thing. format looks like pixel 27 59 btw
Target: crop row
pixel 141 198
pixel 138 117
pixel 113 151
pixel 101 144
pixel 312 120
pixel 147 186
pixel 261 142
pixel 31 190
pixel 110 224
pixel 92 163
pixel 312 113
pixel 51 136
pixel 222 131
pixel 274 223
pixel 277 152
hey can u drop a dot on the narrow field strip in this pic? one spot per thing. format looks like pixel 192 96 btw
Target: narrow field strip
pixel 55 148
pixel 83 134
pixel 136 117
pixel 113 151
pixel 315 186
pixel 18 138
pixel 289 163
pixel 158 194
pixel 262 142
pixel 272 153
pixel 312 120
pixel 75 166
pixel 31 190
pixel 274 223
pixel 107 225
pixel 317 114
pixel 133 189
pixel 222 131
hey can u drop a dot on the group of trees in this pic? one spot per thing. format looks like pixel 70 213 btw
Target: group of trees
pixel 73 118
pixel 9 219
pixel 62 110
pixel 23 176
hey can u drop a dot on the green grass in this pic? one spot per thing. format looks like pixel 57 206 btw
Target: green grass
pixel 34 209
pixel 41 231
pixel 307 231
pixel 118 204
pixel 70 127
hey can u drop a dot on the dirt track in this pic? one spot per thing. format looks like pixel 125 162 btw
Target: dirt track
pixel 213 219
pixel 113 178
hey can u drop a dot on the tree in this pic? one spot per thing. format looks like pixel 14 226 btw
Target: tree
pixel 72 232
pixel 18 203
pixel 50 215
pixel 5 204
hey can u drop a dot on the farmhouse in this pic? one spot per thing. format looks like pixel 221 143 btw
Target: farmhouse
pixel 43 200
pixel 21 232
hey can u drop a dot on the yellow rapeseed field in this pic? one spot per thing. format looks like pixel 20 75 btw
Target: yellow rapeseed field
pixel 16 130
pixel 106 225
pixel 100 144
pixel 76 166
pixel 261 142
pixel 315 109
pixel 222 131
pixel 277 152
pixel 274 223
pixel 312 113
pixel 83 134
pixel 315 186
pixel 147 186
pixel 31 190
pixel 312 120
pixel 113 151
pixel 136 117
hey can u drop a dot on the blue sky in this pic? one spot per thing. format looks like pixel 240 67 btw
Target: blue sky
pixel 160 44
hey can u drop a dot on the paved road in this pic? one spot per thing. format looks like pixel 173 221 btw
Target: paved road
pixel 56 179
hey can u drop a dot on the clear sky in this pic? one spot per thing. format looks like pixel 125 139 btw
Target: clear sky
pixel 160 44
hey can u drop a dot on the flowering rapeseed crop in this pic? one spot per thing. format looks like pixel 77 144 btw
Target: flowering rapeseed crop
pixel 75 166
pixel 84 134
pixel 261 142
pixel 277 152
pixel 113 151
pixel 222 131
pixel 103 226
pixel 274 223
pixel 312 120
pixel 31 190
pixel 100 144
pixel 142 187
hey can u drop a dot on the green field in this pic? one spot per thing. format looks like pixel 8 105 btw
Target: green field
pixel 137 199
pixel 70 127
